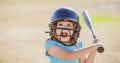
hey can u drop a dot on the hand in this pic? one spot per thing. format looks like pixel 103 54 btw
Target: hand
pixel 97 43
pixel 96 40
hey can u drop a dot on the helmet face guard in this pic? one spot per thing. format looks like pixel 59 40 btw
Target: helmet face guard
pixel 62 14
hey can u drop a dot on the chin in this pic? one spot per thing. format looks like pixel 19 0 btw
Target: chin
pixel 65 39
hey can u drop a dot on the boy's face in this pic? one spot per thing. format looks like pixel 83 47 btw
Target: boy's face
pixel 64 34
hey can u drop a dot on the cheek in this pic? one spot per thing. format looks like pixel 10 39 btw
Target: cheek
pixel 58 32
pixel 71 32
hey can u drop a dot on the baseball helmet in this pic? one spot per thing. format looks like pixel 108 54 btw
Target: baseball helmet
pixel 65 13
pixel 61 14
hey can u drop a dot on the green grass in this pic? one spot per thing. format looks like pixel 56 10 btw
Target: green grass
pixel 105 19
pixel 101 19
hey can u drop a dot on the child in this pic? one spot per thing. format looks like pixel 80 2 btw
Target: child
pixel 64 46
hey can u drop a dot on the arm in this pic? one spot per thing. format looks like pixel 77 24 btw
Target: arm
pixel 82 59
pixel 63 54
pixel 91 56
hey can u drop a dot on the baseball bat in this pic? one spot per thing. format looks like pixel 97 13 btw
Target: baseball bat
pixel 89 24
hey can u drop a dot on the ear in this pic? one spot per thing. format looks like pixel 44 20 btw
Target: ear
pixel 74 25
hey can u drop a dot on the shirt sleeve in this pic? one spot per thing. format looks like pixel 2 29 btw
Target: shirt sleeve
pixel 49 44
pixel 80 44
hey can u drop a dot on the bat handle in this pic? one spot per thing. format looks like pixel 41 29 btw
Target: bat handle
pixel 100 49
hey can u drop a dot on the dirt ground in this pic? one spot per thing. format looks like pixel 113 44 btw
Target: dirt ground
pixel 22 28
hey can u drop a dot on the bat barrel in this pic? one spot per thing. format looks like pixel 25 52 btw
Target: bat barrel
pixel 88 22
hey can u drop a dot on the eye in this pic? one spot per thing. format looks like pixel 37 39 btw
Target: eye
pixel 60 24
pixel 69 25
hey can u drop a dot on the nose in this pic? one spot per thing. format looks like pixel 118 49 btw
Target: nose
pixel 64 30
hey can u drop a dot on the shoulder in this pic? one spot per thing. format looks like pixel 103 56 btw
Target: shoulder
pixel 50 43
pixel 53 47
pixel 79 43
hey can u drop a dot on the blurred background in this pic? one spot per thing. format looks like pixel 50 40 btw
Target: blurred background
pixel 23 23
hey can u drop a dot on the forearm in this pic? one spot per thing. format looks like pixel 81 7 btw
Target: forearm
pixel 83 59
pixel 82 52
pixel 76 54
pixel 91 57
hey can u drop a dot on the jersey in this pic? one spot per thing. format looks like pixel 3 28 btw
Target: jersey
pixel 53 59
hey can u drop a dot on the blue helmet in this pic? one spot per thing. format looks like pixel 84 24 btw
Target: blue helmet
pixel 65 13
pixel 61 14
